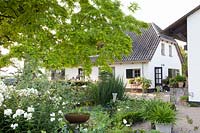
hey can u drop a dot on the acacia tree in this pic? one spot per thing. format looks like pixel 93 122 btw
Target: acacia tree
pixel 66 33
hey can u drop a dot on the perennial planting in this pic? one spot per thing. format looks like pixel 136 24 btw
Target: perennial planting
pixel 41 108
pixel 30 109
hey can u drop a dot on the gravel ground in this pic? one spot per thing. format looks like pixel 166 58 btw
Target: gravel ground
pixel 188 120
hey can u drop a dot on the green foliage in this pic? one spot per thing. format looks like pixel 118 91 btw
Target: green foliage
pixel 173 82
pixel 133 117
pixel 160 112
pixel 165 81
pixel 129 112
pixel 63 34
pixel 180 78
pixel 185 62
pixel 146 83
pixel 184 98
pixel 193 104
pixel 44 103
pixel 107 86
pixel 52 97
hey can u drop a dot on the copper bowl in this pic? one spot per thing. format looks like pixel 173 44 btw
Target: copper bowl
pixel 77 117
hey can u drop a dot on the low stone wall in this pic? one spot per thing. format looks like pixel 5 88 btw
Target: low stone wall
pixel 176 93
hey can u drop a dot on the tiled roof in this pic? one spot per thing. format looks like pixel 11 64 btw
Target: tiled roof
pixel 145 45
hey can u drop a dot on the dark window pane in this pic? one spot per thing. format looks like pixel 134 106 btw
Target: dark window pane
pixel 129 73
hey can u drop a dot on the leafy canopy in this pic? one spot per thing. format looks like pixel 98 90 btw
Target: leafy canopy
pixel 66 33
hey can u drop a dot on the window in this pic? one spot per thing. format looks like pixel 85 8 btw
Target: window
pixel 170 50
pixel 162 49
pixel 132 73
pixel 172 72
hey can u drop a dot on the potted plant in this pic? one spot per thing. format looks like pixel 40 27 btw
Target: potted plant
pixel 180 79
pixel 131 81
pixel 184 100
pixel 138 80
pixel 146 83
pixel 163 116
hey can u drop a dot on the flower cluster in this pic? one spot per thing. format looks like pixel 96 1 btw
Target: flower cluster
pixel 3 90
pixel 28 92
pixel 1 99
pixel 52 115
pixel 14 126
pixel 8 112
pixel 25 109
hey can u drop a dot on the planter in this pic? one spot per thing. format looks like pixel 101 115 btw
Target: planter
pixel 77 117
pixel 164 128
pixel 180 84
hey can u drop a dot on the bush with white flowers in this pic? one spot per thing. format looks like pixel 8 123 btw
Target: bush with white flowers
pixel 31 109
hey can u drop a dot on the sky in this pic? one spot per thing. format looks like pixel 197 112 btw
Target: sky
pixel 161 12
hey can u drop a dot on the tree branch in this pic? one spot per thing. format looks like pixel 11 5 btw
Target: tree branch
pixel 6 16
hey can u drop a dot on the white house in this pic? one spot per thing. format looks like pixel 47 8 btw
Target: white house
pixel 187 29
pixel 155 56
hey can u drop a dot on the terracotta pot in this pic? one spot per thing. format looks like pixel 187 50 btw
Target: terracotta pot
pixel 180 84
pixel 77 117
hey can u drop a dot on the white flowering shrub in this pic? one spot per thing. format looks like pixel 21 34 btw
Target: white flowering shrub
pixel 31 109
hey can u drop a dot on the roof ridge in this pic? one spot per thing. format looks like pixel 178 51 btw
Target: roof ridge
pixel 156 28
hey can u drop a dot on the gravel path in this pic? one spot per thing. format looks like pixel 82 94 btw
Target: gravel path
pixel 188 120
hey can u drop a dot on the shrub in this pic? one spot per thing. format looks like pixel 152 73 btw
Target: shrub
pixel 160 112
pixel 146 83
pixel 31 110
pixel 48 100
pixel 109 85
pixel 129 112
pixel 193 104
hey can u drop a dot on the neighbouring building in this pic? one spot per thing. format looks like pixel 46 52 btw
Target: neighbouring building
pixel 187 29
pixel 155 56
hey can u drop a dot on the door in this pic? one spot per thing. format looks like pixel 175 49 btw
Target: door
pixel 158 76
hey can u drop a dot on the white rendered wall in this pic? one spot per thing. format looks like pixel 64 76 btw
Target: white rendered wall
pixel 70 73
pixel 120 70
pixel 193 38
pixel 94 74
pixel 166 62
pixel 73 72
